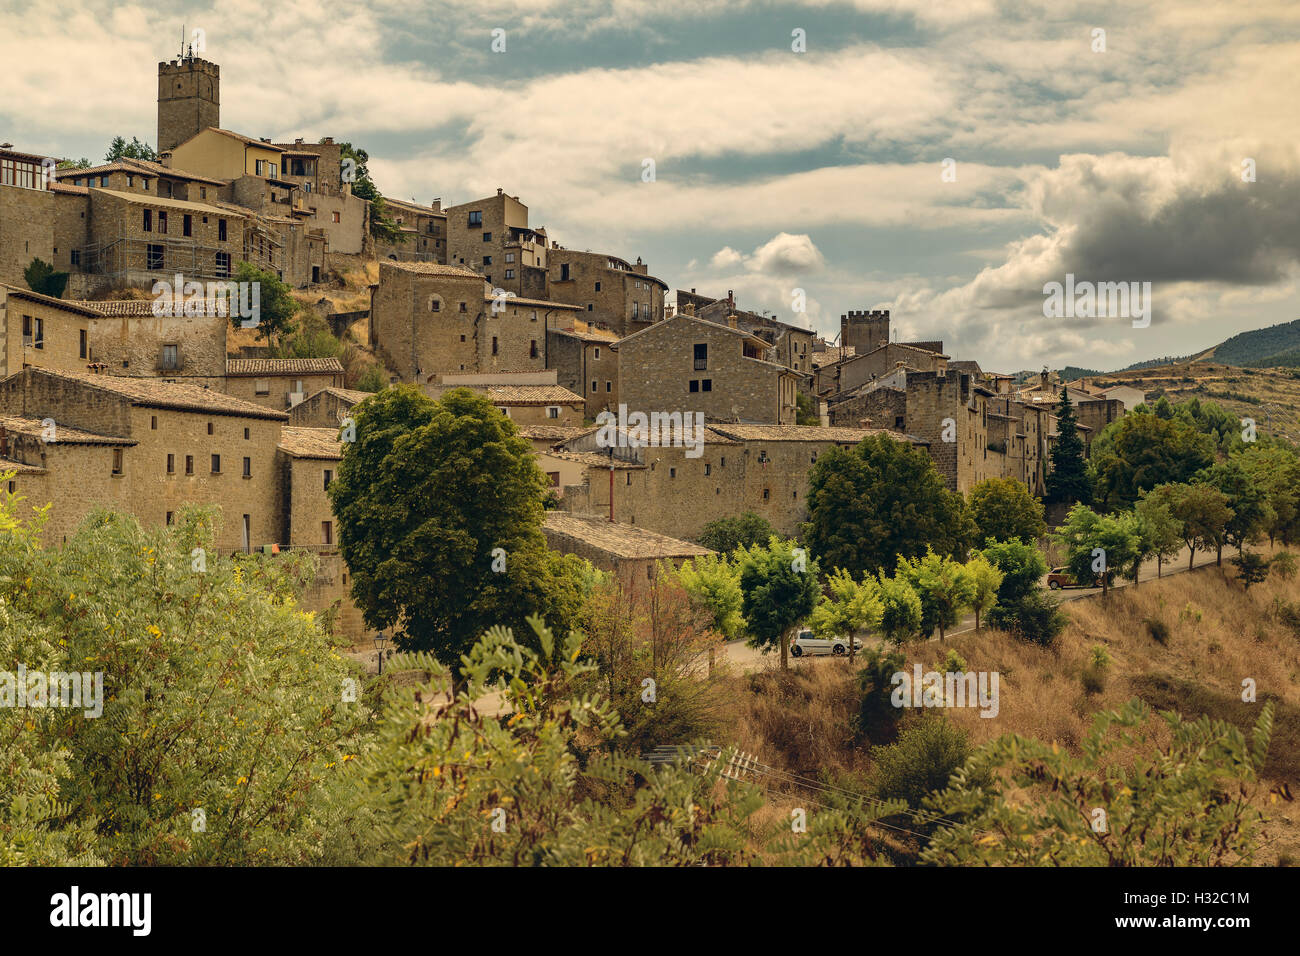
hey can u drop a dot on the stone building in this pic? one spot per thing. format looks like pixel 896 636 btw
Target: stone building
pixel 689 365
pixel 425 228
pixel 27 214
pixel 526 398
pixel 864 367
pixel 616 294
pixel 144 447
pixel 427 318
pixel 492 237
pixel 585 360
pixel 189 99
pixel 792 346
pixel 281 383
pixel 327 408
pixel 633 555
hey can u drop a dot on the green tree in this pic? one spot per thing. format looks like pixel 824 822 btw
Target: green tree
pixel 1203 513
pixel 119 148
pixel 726 535
pixel 1022 566
pixel 900 609
pixel 277 306
pixel 1251 568
pixel 41 277
pixel 1274 468
pixel 1160 535
pixel 882 500
pixel 1140 451
pixel 876 684
pixel 439 506
pixel 1251 513
pixel 356 171
pixel 945 587
pixel 986 578
pixel 82 163
pixel 778 584
pixel 850 607
pixel 371 380
pixel 806 410
pixel 1003 509
pixel 928 750
pixel 1134 795
pixel 713 583
pixel 1068 481
pixel 1098 546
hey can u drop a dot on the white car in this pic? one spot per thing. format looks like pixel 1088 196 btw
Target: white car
pixel 806 643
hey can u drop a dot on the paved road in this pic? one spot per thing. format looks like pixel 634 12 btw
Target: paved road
pixel 750 659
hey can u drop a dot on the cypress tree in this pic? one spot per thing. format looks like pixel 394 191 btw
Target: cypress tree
pixel 1069 482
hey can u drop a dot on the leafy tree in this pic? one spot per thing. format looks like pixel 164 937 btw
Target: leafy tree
pixel 1068 481
pixel 276 304
pixel 371 380
pixel 713 583
pixel 82 163
pixel 1251 568
pixel 882 500
pixel 928 750
pixel 439 506
pixel 944 586
pixel 1034 617
pixel 1085 533
pixel 41 277
pixel 986 578
pixel 900 609
pixel 1283 566
pixel 1160 535
pixel 1140 451
pixel 1203 512
pixel 806 410
pixel 1003 509
pixel 726 535
pixel 1274 469
pixel 119 148
pixel 1251 512
pixel 851 606
pixel 1022 566
pixel 1161 792
pixel 779 590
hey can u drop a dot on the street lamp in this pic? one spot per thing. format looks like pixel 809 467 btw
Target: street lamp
pixel 380 640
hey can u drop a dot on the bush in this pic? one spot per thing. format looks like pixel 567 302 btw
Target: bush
pixel 1251 568
pixel 1035 618
pixel 1283 565
pixel 954 663
pixel 1094 675
pixel 371 380
pixel 927 751
pixel 1158 630
pixel 725 535
pixel 875 683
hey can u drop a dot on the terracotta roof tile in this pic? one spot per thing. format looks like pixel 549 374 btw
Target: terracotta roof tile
pixel 833 433
pixel 618 539
pixel 154 393
pixel 284 366
pixel 430 269
pixel 321 443
pixel 63 434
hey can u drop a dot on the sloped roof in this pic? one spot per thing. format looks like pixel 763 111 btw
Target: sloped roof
pixel 554 432
pixel 63 434
pixel 620 540
pixel 148 199
pixel 528 394
pixel 284 366
pixel 835 433
pixel 319 443
pixel 430 269
pixel 154 393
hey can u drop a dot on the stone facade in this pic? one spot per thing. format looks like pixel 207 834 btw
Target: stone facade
pixel 326 408
pixel 689 365
pixel 586 362
pixel 189 99
pixel 615 294
pixel 864 330
pixel 281 383
pixel 631 554
pixel 859 369
pixel 492 237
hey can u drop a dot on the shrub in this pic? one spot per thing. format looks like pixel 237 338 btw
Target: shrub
pixel 1094 675
pixel 1158 630
pixel 927 751
pixel 875 684
pixel 954 663
pixel 1035 618
pixel 371 380
pixel 1283 565
pixel 1251 568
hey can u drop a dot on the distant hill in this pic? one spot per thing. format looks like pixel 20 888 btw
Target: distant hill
pixel 1277 345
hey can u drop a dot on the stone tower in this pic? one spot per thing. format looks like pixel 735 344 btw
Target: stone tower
pixel 864 330
pixel 189 99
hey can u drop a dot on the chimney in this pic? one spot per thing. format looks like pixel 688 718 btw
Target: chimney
pixel 500 190
pixel 731 321
pixel 692 290
pixel 328 140
pixel 731 300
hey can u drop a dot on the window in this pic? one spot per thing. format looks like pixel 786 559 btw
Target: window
pixel 153 422
pixel 708 469
pixel 162 221
pixel 596 353
pixel 223 265
pixel 552 411
pixel 336 217
pixel 130 181
pixel 494 345
pixel 329 476
pixel 462 338
pixel 117 461
pixel 153 256
pixel 76 257
pixel 189 464
pixel 103 182
pixel 722 462
pixel 463 307
pixel 672 472
pixel 594 385
pixel 147 226
pixel 248 468
pixel 435 305
pixel 564 272
pixel 487 260
pixel 81 335
pixel 245 434
pixel 695 385
pixel 645 310
pixel 170 515
pixel 554 478
pixel 629 479
pixel 209 428
pixel 171 464
pixel 187 225
pixel 706 385
pixel 609 386
pixel 898 422
pixel 262 386
pixel 221 229
pixel 597 285
pixel 510 273
pixel 766 494
pixel 487 237
pixel 701 356
pixel 203 192
pixel 327 532
pixel 216 464
pixel 532 348
pixel 475 218
pixel 171 358
pixel 510 257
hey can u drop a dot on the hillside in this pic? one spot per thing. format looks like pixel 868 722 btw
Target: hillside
pixel 1274 346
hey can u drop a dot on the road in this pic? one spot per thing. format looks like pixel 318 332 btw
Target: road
pixel 749 659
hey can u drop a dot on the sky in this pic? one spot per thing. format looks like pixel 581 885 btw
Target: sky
pixel 945 161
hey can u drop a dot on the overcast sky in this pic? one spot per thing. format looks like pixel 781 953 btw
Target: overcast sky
pixel 777 170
